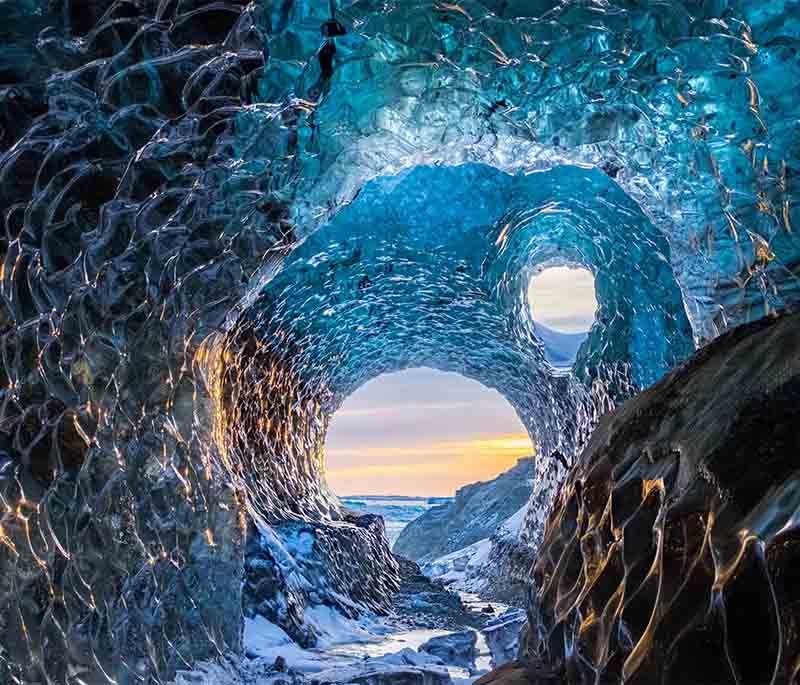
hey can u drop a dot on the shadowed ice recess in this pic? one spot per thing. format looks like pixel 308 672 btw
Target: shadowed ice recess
pixel 222 217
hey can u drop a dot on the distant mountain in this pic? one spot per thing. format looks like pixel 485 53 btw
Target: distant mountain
pixel 561 349
pixel 477 512
pixel 404 498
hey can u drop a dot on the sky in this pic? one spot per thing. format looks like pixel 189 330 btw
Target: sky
pixel 421 432
pixel 563 298
pixel 425 432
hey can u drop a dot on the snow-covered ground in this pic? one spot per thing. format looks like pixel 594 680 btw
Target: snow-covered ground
pixel 462 570
pixel 343 641
pixel 371 648
pixel 265 640
pixel 455 568
pixel 347 649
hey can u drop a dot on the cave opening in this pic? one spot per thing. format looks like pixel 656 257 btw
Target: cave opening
pixel 432 268
pixel 409 440
pixel 222 219
pixel 563 304
pixel 563 298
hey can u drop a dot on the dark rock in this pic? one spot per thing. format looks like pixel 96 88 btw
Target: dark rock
pixel 671 552
pixel 519 673
pixel 404 668
pixel 488 609
pixel 421 603
pixel 456 649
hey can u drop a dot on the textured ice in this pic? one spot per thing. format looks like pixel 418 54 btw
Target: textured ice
pixel 376 290
pixel 187 296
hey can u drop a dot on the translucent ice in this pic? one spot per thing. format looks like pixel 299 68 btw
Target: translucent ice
pixel 187 294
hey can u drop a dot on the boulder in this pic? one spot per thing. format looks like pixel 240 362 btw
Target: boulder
pixel 456 649
pixel 380 672
pixel 411 657
pixel 520 673
pixel 672 550
pixel 503 636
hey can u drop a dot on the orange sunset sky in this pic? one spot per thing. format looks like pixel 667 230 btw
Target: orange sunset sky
pixel 387 439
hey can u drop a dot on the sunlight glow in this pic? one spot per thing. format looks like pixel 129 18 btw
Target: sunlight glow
pixel 563 299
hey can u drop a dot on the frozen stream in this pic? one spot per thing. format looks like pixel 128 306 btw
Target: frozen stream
pixel 345 643
pixel 397 639
pixel 346 646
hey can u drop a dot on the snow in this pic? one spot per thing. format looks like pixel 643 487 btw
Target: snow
pixel 352 652
pixel 260 634
pixel 461 570
pixel 367 647
pixel 266 641
pixel 333 629
pixel 512 526
pixel 457 566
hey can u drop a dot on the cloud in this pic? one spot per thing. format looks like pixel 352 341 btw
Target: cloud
pixel 425 469
pixel 564 299
pixel 421 432
pixel 395 409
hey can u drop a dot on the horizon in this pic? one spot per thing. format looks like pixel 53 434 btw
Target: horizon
pixel 422 430
pixel 391 495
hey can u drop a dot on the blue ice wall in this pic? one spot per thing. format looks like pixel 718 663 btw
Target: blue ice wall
pixel 431 268
pixel 682 104
pixel 194 270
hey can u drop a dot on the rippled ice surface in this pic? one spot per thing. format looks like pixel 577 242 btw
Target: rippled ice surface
pixel 221 217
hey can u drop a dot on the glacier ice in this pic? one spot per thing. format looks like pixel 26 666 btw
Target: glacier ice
pixel 376 290
pixel 223 216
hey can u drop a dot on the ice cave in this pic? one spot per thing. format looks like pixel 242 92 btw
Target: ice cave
pixel 224 217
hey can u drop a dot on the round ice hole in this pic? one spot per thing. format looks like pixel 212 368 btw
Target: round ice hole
pixel 563 307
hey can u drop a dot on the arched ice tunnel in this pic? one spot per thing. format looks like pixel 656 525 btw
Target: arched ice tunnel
pixel 221 218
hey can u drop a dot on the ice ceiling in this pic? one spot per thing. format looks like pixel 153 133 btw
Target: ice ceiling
pixel 223 217
pixel 431 268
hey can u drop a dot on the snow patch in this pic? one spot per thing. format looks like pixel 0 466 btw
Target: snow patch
pixel 512 526
pixel 261 635
pixel 459 568
pixel 332 628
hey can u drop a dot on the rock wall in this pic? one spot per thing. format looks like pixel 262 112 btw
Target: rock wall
pixel 672 551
